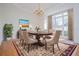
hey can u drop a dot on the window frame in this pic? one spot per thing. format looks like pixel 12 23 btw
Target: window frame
pixel 55 25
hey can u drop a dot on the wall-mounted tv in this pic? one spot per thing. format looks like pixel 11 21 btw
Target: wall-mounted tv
pixel 23 24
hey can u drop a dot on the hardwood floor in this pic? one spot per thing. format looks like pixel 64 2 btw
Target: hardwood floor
pixel 8 49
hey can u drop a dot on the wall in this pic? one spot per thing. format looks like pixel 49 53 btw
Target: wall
pixel 63 7
pixel 12 14
pixel 76 24
pixel 1 22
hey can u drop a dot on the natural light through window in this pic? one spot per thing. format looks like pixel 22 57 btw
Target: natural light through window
pixel 60 22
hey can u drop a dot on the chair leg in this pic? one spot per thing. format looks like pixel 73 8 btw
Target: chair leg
pixel 45 46
pixel 36 46
pixel 58 46
pixel 24 46
pixel 22 43
pixel 28 48
pixel 53 49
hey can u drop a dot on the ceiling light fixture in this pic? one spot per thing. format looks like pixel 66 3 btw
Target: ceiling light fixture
pixel 39 11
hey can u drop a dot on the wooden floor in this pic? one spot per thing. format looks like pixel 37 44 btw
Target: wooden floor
pixel 8 49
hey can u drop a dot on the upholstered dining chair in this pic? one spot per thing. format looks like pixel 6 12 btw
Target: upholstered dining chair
pixel 26 39
pixel 49 31
pixel 53 40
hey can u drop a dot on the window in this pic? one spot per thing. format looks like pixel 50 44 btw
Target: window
pixel 60 22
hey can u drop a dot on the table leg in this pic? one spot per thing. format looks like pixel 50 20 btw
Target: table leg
pixel 39 42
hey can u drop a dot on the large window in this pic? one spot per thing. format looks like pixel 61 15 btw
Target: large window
pixel 60 22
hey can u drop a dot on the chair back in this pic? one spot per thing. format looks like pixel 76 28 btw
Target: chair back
pixel 23 35
pixel 57 36
pixel 20 34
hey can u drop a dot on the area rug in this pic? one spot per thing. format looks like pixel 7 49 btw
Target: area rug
pixel 65 50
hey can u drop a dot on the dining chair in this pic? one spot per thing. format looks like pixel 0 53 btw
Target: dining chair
pixel 53 40
pixel 20 37
pixel 49 31
pixel 26 40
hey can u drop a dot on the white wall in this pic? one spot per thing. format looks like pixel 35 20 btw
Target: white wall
pixel 12 14
pixel 1 22
pixel 63 7
pixel 76 24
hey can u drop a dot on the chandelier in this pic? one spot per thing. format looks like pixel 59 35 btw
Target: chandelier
pixel 39 11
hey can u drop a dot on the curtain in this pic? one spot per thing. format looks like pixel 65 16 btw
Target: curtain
pixel 49 23
pixel 70 24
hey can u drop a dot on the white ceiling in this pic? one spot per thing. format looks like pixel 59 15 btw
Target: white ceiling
pixel 34 5
pixel 30 7
pixel 44 6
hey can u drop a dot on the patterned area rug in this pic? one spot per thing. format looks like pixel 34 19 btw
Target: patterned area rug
pixel 65 50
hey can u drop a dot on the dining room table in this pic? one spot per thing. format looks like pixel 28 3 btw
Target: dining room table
pixel 38 35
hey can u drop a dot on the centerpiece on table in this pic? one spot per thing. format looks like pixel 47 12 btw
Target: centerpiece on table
pixel 37 28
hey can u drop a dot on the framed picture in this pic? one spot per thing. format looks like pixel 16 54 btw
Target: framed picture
pixel 23 24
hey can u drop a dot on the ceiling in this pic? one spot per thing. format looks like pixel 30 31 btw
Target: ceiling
pixel 33 6
pixel 28 7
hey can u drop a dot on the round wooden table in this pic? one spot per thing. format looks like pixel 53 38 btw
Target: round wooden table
pixel 38 35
